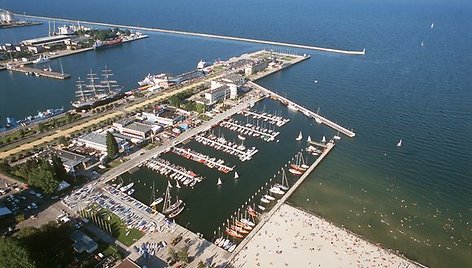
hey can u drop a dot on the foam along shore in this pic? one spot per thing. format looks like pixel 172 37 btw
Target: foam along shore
pixel 294 238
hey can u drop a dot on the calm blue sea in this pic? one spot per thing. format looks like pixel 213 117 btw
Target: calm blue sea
pixel 416 198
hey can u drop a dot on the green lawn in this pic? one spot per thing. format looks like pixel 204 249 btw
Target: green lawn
pixel 118 228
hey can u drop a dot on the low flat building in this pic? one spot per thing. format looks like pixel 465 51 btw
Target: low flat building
pixel 164 116
pixel 48 40
pixel 133 130
pixel 82 242
pixel 220 90
pixel 236 79
pixel 98 141
pixel 128 263
pixel 72 161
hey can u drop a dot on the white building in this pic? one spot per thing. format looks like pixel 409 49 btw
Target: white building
pixel 220 90
pixel 98 141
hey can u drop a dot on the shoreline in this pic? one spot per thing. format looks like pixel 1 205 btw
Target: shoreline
pixel 376 244
pixel 322 244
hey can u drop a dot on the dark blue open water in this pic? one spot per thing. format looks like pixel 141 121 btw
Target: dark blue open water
pixel 416 198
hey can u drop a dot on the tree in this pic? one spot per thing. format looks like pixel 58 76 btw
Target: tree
pixel 58 167
pixel 5 167
pixel 201 265
pixel 200 108
pixel 183 255
pixel 62 140
pixel 172 253
pixel 112 146
pixel 12 254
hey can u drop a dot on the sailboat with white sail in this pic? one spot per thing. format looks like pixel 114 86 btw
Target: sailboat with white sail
pixel 399 144
pixel 236 175
pixel 219 182
pixel 323 140
pixel 309 139
pixel 300 136
pixel 168 206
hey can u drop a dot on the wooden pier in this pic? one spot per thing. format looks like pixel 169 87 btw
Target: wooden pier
pixel 153 163
pixel 39 72
pixel 305 111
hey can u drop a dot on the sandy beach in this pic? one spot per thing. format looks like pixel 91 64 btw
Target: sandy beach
pixel 294 238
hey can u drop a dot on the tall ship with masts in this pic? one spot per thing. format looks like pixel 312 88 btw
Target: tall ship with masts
pixel 96 91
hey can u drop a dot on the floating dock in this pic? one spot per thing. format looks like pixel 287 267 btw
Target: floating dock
pixel 251 131
pixel 243 155
pixel 39 72
pixel 154 164
pixel 305 111
pixel 204 159
pixel 272 119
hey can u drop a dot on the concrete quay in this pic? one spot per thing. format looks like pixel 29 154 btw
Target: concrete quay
pixel 307 112
pixel 39 72
pixel 205 35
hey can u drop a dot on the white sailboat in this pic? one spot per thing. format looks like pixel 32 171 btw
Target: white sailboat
pixel 317 119
pixel 337 137
pixel 177 184
pixel 300 137
pixel 432 25
pixel 309 139
pixel 324 139
pixel 219 182
pixel 241 137
pixel 236 175
pixel 422 43
pixel 399 144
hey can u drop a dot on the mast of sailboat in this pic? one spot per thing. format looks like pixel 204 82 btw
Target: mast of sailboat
pixel 106 82
pixel 284 178
pixel 80 90
pixel 62 70
pixel 153 195
pixel 92 77
pixel 166 199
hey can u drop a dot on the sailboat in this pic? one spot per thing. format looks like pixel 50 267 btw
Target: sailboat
pixel 241 137
pixel 177 211
pixel 399 144
pixel 432 25
pixel 219 182
pixel 323 140
pixel 317 119
pixel 168 207
pixel 300 137
pixel 236 175
pixel 309 139
pixel 422 43
pixel 284 182
pixel 337 137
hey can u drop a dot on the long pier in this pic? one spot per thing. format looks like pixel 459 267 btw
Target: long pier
pixel 39 72
pixel 307 112
pixel 241 154
pixel 248 130
pixel 205 35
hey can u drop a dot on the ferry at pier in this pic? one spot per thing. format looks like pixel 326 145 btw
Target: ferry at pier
pixel 107 43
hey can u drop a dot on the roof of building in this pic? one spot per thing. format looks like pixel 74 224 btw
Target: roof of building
pixel 82 242
pixel 128 263
pixel 218 89
pixel 70 159
pixel 97 138
pixel 136 126
pixel 46 39
pixel 5 211
pixel 124 121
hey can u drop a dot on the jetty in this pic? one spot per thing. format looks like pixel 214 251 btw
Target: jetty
pixel 243 155
pixel 154 164
pixel 306 111
pixel 273 119
pixel 204 35
pixel 253 131
pixel 202 158
pixel 38 72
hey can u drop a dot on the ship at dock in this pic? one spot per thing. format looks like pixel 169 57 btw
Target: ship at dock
pixel 107 43
pixel 95 92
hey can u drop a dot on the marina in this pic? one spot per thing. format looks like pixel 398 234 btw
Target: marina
pixel 186 177
pixel 204 159
pixel 267 117
pixel 228 147
pixel 250 130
